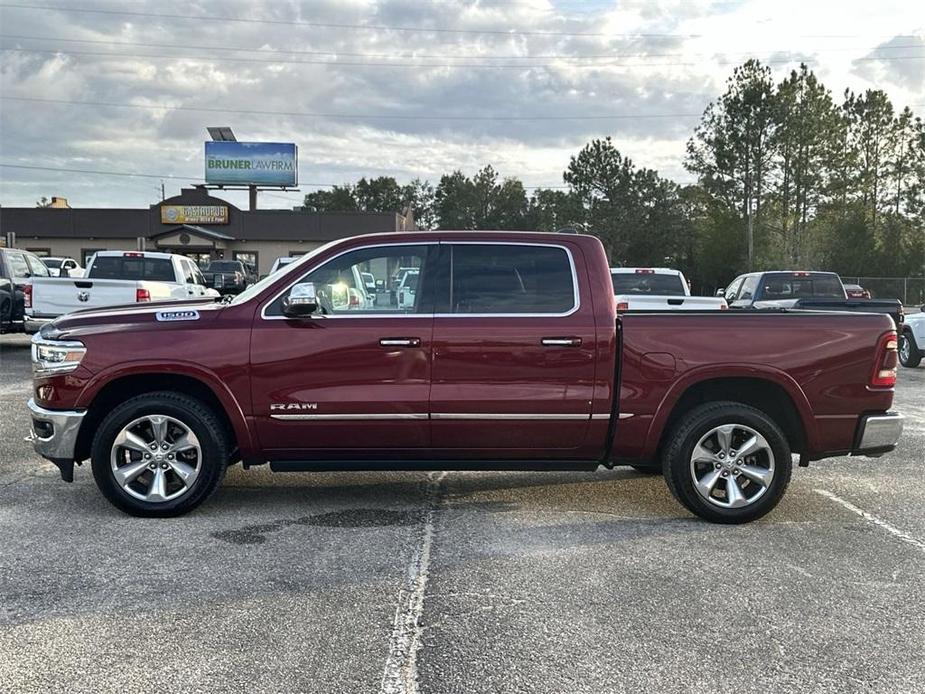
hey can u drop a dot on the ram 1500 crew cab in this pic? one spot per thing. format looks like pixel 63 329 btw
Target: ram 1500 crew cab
pixel 511 355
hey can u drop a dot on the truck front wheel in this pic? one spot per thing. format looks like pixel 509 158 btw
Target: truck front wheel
pixel 727 462
pixel 159 454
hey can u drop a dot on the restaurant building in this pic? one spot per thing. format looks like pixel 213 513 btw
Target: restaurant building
pixel 193 223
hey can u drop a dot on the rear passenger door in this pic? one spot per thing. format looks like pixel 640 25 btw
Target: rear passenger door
pixel 513 351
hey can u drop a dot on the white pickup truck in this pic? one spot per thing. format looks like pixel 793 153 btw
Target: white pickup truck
pixel 658 289
pixel 113 278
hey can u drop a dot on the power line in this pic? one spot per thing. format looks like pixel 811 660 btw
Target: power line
pixel 416 66
pixel 431 56
pixel 372 27
pixel 132 174
pixel 370 116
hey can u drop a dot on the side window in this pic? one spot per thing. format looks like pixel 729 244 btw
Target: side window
pixel 37 267
pixel 732 290
pixel 342 290
pixel 18 266
pixel 748 288
pixel 511 279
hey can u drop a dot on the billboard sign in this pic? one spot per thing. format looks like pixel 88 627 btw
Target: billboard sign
pixel 252 163
pixel 194 214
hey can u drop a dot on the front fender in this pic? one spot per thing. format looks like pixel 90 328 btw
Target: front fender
pixel 227 399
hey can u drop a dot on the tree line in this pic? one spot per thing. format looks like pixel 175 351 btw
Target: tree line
pixel 786 177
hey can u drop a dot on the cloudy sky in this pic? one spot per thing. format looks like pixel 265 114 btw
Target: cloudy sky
pixel 400 87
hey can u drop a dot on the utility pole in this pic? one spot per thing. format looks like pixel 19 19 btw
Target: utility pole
pixel 163 193
pixel 750 237
pixel 252 197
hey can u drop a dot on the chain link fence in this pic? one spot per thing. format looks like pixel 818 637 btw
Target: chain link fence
pixel 909 290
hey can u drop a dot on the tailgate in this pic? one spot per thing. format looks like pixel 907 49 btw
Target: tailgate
pixel 55 297
pixel 671 303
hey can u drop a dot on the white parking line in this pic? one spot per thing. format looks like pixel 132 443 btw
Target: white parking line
pixel 400 674
pixel 871 518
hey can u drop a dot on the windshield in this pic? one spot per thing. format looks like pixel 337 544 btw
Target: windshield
pixel 786 285
pixel 290 267
pixel 647 283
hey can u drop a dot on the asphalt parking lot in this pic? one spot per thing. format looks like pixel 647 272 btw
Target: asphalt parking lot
pixel 462 582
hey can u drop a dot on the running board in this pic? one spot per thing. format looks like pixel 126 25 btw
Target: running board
pixel 431 465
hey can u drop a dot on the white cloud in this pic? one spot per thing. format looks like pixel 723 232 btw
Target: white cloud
pixel 667 57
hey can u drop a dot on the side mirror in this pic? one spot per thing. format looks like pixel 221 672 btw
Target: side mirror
pixel 720 292
pixel 302 301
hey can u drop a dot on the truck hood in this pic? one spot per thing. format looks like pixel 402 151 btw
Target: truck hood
pixel 157 315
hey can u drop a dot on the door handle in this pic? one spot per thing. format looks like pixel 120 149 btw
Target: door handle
pixel 400 342
pixel 561 341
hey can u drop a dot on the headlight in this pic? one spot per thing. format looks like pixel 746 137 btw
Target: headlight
pixel 55 356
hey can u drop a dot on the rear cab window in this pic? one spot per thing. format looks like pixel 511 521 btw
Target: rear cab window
pixel 510 279
pixel 801 285
pixel 19 268
pixel 647 283
pixel 118 267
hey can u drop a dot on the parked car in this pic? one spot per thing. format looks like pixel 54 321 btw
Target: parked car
pixel 113 278
pixel 856 291
pixel 59 266
pixel 407 289
pixel 912 340
pixel 507 360
pixel 657 289
pixel 821 291
pixel 17 271
pixel 228 276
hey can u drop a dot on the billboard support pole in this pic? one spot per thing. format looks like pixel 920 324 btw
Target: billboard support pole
pixel 252 197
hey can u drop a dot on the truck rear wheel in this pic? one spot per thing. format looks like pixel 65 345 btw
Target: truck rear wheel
pixel 727 462
pixel 909 354
pixel 159 454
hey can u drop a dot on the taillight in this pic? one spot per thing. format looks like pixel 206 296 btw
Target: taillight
pixel 27 295
pixel 623 306
pixel 142 295
pixel 354 300
pixel 886 361
pixel 724 307
pixel 401 298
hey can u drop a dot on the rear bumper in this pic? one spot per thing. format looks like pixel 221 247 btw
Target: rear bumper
pixel 54 436
pixel 32 324
pixel 878 433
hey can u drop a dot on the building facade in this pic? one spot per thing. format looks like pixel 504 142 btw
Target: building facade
pixel 193 223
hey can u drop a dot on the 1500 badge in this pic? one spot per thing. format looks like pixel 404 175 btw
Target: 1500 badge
pixel 176 315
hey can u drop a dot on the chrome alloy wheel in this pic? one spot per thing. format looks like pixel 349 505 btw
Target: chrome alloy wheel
pixel 156 458
pixel 732 466
pixel 905 349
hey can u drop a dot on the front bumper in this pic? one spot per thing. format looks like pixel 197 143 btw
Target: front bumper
pixel 54 436
pixel 878 433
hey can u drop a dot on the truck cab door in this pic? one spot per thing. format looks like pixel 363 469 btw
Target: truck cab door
pixel 514 351
pixel 353 379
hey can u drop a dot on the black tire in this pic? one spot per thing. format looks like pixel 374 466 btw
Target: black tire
pixel 677 455
pixel 914 356
pixel 198 417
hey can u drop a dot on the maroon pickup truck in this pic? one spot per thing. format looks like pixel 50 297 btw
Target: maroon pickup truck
pixel 505 351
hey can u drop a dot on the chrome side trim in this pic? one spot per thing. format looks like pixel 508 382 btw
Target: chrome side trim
pixel 351 417
pixel 626 415
pixel 505 415
pixel 622 415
